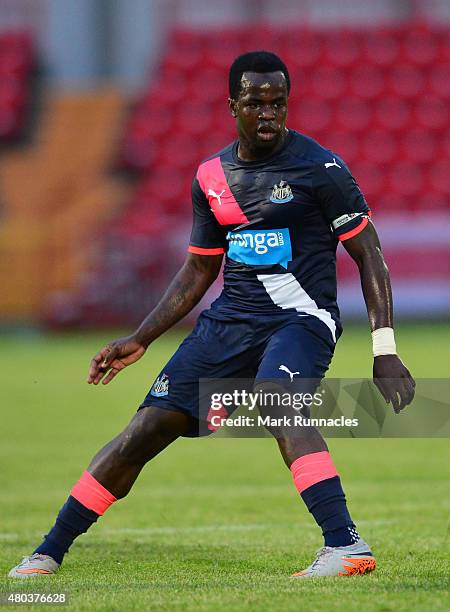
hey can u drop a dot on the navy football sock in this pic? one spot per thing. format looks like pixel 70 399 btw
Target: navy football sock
pixel 73 520
pixel 326 502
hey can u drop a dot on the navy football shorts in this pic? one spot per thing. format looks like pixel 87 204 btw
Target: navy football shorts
pixel 244 347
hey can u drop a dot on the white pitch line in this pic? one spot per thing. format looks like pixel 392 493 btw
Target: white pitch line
pixel 169 530
pixel 151 530
pixel 224 528
pixel 200 529
pixel 8 536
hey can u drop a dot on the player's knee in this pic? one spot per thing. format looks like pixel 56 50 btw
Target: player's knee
pixel 130 448
pixel 146 435
pixel 137 441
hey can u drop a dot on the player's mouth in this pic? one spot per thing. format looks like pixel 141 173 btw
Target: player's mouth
pixel 266 133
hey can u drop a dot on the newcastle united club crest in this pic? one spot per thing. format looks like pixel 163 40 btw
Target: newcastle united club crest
pixel 161 386
pixel 281 193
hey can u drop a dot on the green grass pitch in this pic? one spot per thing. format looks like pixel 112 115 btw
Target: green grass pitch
pixel 214 524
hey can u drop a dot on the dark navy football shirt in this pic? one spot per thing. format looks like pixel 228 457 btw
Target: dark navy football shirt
pixel 278 221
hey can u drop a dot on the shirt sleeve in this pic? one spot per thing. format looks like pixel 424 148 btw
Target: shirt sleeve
pixel 207 237
pixel 340 198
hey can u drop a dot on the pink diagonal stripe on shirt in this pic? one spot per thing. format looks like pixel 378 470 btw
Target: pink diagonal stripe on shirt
pixel 211 178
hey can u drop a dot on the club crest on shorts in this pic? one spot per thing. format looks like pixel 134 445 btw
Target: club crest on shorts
pixel 160 386
pixel 281 193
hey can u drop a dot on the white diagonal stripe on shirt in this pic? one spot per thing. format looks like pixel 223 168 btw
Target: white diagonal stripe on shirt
pixel 286 292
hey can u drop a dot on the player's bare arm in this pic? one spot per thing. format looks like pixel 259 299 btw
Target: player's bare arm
pixel 390 374
pixel 186 290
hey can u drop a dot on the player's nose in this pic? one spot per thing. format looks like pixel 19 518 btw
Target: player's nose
pixel 267 112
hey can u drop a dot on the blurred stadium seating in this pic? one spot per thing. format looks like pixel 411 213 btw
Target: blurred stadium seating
pixel 378 96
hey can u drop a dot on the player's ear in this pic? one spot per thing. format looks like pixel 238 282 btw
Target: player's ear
pixel 232 105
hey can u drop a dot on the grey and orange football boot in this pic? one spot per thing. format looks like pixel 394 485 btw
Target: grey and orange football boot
pixel 34 565
pixel 340 561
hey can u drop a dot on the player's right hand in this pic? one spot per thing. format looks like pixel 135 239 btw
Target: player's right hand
pixel 113 358
pixel 394 381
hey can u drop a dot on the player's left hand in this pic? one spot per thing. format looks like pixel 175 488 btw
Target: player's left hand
pixel 113 358
pixel 394 381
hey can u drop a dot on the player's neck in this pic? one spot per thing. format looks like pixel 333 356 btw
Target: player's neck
pixel 248 151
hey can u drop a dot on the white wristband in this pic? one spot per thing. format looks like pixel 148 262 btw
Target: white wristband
pixel 383 342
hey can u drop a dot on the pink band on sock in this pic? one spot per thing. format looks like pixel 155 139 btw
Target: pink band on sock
pixel 309 469
pixel 92 494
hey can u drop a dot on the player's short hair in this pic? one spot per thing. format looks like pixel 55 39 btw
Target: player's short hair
pixel 254 61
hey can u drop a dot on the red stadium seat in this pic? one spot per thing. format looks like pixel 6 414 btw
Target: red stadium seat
pixel 431 201
pixel 181 39
pixel 16 63
pixel 147 224
pixel 444 47
pixel 391 202
pixel 304 52
pixel 137 154
pixel 10 123
pixel 19 41
pixel 214 142
pixel 185 63
pixel 167 182
pixel 193 118
pixel 431 112
pixel 370 178
pixel 443 146
pixel 440 81
pixel 208 86
pixel 345 144
pixel 406 179
pixel 380 49
pixel 151 122
pixel 327 82
pixel 221 49
pixel 341 49
pixel 138 151
pixel 139 148
pixel 352 114
pixel 419 47
pixel 178 151
pixel 312 116
pixel 406 81
pixel 392 114
pixel 13 65
pixel 266 37
pixel 439 177
pixel 366 82
pixel 167 94
pixel 12 94
pixel 418 146
pixel 379 147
